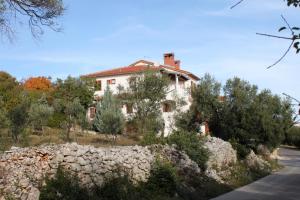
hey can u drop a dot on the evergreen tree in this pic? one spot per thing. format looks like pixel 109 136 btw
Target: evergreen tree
pixel 3 115
pixel 205 106
pixel 39 114
pixel 109 117
pixel 18 119
pixel 145 93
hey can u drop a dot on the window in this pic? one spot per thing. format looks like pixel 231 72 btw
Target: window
pixel 129 108
pixel 98 85
pixel 92 112
pixel 111 82
pixel 167 107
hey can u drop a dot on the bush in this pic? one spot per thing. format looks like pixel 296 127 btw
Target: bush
pixel 242 151
pixel 162 181
pixel 293 137
pixel 55 121
pixel 18 119
pixel 192 145
pixel 118 188
pixel 63 187
pixel 109 117
pixel 151 139
pixel 161 185
pixel 242 175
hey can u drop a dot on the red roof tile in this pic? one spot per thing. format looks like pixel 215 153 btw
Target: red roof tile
pixel 119 71
pixel 132 69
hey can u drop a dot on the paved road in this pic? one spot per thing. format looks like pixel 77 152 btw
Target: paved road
pixel 282 185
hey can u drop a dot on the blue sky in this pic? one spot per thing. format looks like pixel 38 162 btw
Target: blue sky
pixel 205 35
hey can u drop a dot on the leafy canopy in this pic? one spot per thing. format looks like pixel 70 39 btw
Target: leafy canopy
pixel 145 93
pixel 109 117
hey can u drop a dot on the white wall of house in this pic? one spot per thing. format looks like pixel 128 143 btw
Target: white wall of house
pixel 120 80
pixel 177 89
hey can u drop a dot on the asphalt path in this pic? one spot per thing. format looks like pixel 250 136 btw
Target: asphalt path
pixel 282 185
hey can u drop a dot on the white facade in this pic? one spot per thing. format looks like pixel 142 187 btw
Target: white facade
pixel 179 88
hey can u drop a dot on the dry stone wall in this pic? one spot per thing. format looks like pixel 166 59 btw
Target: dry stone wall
pixel 22 171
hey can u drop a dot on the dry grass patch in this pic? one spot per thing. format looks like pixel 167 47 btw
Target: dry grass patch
pixel 57 136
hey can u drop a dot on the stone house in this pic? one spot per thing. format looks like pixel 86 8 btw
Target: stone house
pixel 181 82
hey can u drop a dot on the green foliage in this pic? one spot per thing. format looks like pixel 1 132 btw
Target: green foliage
pixel 71 98
pixel 295 3
pixel 39 114
pixel 55 120
pixel 162 181
pixel 161 185
pixel 146 92
pixel 9 91
pixel 71 88
pixel 204 107
pixel 109 117
pixel 151 139
pixel 242 175
pixel 250 118
pixel 242 150
pixel 191 144
pixel 64 186
pixel 3 116
pixel 74 112
pixel 293 137
pixel 18 119
pixel 245 116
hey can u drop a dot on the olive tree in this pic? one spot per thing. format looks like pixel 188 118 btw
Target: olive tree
pixel 18 117
pixel 39 114
pixel 72 98
pixel 145 93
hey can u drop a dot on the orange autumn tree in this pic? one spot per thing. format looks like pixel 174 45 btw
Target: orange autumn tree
pixel 38 84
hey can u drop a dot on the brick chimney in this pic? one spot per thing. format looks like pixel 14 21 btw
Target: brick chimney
pixel 169 59
pixel 177 64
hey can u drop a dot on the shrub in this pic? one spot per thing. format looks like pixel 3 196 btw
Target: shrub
pixel 39 114
pixel 18 119
pixel 293 136
pixel 161 185
pixel 192 145
pixel 118 188
pixel 242 151
pixel 109 117
pixel 151 139
pixel 162 181
pixel 55 121
pixel 63 187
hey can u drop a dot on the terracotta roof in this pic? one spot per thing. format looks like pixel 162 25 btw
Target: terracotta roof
pixel 181 71
pixel 132 69
pixel 119 71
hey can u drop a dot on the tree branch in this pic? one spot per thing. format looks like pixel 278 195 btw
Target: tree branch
pixel 282 57
pixel 238 3
pixel 275 36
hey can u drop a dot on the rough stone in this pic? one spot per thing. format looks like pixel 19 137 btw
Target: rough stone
pixel 28 167
pixel 221 157
pixel 256 162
